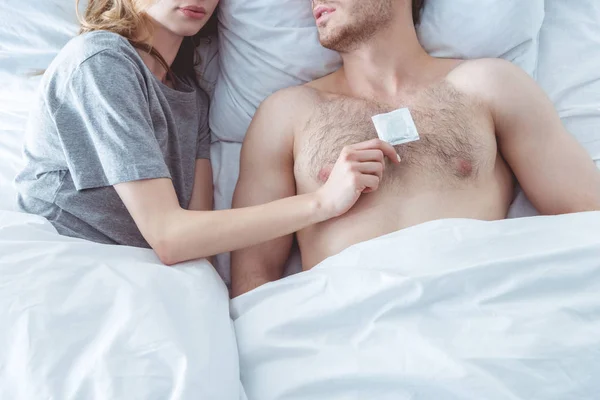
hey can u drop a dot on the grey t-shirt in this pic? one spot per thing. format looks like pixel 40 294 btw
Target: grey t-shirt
pixel 102 118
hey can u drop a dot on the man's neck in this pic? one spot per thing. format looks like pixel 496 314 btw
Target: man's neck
pixel 384 67
pixel 167 44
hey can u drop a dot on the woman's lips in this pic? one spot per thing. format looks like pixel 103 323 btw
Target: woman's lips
pixel 193 12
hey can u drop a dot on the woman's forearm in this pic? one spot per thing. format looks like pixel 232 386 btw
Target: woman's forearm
pixel 189 235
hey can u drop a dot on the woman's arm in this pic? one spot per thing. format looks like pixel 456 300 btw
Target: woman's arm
pixel 202 194
pixel 178 235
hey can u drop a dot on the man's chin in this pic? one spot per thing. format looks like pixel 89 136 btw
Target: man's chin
pixel 331 46
pixel 332 40
pixel 324 44
pixel 327 42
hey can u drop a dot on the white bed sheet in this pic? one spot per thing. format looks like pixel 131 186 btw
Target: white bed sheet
pixel 16 92
pixel 88 321
pixel 452 309
pixel 31 34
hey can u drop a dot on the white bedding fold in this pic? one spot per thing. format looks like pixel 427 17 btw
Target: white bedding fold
pixel 80 320
pixel 452 309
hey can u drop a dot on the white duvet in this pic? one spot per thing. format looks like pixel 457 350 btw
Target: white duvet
pixel 453 309
pixel 80 320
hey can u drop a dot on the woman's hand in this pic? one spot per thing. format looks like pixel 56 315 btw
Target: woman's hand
pixel 359 169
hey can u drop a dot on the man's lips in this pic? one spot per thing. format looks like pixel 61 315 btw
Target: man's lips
pixel 193 12
pixel 321 12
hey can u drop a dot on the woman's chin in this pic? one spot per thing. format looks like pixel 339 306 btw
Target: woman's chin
pixel 188 31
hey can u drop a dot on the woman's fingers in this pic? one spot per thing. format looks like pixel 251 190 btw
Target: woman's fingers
pixel 371 168
pixel 370 183
pixel 377 144
pixel 368 155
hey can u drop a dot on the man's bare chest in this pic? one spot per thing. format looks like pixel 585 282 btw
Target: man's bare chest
pixel 457 141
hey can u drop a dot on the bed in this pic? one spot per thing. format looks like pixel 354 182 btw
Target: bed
pixel 495 310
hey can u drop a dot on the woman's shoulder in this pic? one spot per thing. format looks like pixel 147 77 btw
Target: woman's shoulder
pixel 91 42
pixel 87 48
pixel 100 53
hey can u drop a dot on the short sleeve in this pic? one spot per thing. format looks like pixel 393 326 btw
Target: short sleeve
pixel 104 124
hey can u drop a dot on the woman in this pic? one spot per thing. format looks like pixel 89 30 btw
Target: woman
pixel 117 146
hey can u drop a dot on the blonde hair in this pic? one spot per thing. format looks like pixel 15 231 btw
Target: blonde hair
pixel 126 18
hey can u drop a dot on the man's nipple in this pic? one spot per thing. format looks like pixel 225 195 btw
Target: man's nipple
pixel 324 173
pixel 464 168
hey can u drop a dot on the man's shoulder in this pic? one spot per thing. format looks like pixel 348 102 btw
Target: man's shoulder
pixel 483 72
pixel 486 78
pixel 308 94
pixel 289 102
pixel 483 65
pixel 293 95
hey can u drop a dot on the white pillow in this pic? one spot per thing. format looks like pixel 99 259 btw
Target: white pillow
pixel 569 71
pixel 569 67
pixel 470 29
pixel 266 45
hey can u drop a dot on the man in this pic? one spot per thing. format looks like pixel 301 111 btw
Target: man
pixel 481 124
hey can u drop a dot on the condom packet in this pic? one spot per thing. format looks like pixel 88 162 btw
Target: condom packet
pixel 396 127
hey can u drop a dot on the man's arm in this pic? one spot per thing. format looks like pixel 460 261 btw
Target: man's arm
pixel 556 173
pixel 266 174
